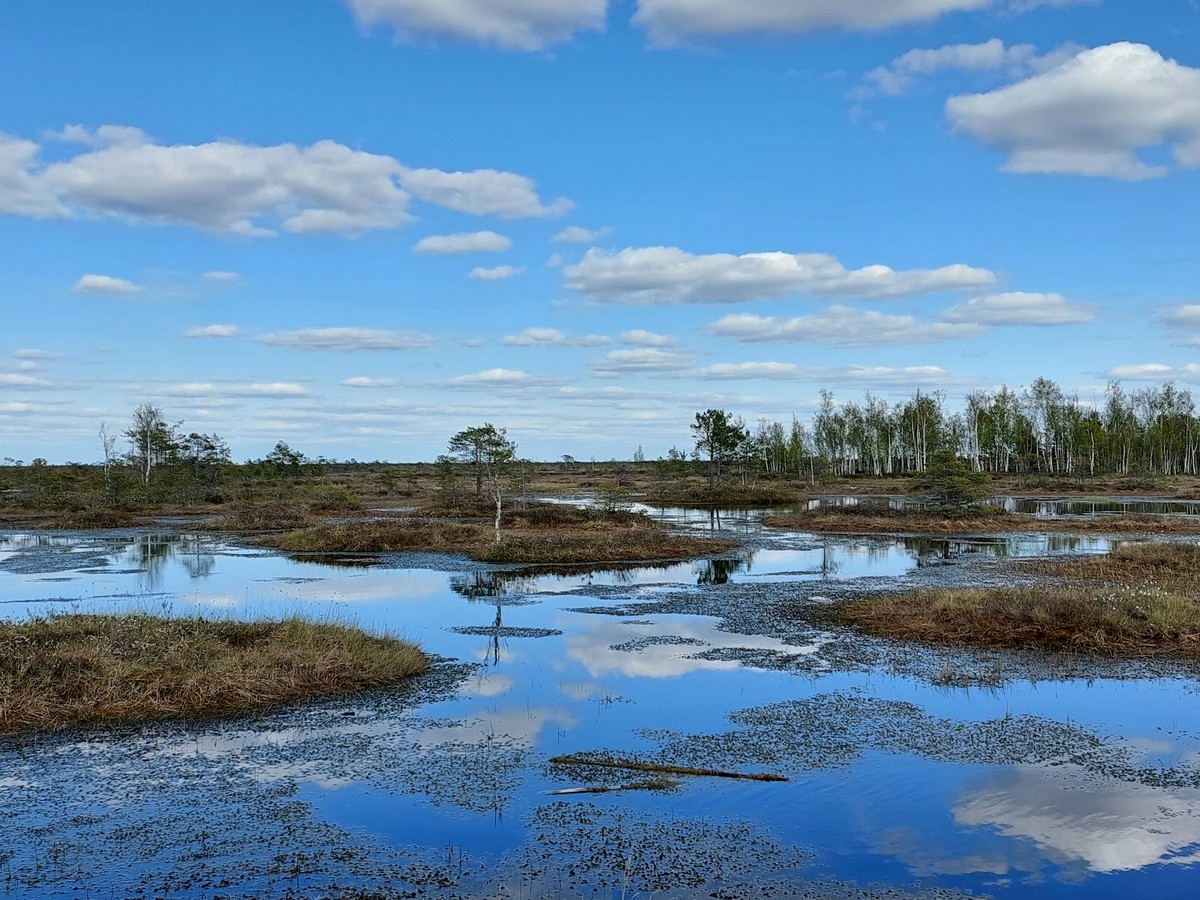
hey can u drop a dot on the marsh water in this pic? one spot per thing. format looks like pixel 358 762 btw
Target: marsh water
pixel 910 771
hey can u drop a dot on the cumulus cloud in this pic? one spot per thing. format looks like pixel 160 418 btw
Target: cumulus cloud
pixel 347 340
pixel 497 273
pixel 226 277
pixel 1092 115
pixel 1020 308
pixel 523 25
pixel 841 326
pixel 551 337
pixel 1018 60
pixel 575 234
pixel 212 331
pixel 362 381
pixel 859 375
pixel 483 192
pixel 678 21
pixel 639 338
pixel 472 242
pixel 643 361
pixel 105 284
pixel 665 275
pixel 235 188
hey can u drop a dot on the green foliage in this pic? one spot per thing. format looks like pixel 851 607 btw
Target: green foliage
pixel 949 481
pixel 718 437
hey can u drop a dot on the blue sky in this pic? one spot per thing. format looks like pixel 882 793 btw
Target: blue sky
pixel 360 226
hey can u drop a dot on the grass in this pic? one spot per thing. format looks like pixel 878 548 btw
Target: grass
pixel 1137 601
pixel 62 670
pixel 871 518
pixel 541 533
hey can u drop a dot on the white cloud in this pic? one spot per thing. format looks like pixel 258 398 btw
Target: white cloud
pixel 1020 308
pixel 634 362
pixel 233 188
pixel 1092 115
pixel 551 337
pixel 472 242
pixel 227 277
pixel 483 192
pixel 1155 372
pixel 575 234
pixel 1018 60
pixel 502 381
pixel 663 275
pixel 346 340
pixel 676 21
pixel 280 389
pixel 1185 316
pixel 524 25
pixel 105 284
pixel 639 338
pixel 858 375
pixel 26 381
pixel 498 273
pixel 361 381
pixel 841 326
pixel 212 331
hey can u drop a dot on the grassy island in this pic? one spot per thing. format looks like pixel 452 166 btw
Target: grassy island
pixel 545 533
pixel 63 670
pixel 870 518
pixel 1139 600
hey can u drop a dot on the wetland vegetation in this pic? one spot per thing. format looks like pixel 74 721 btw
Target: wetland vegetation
pixel 1138 600
pixel 65 669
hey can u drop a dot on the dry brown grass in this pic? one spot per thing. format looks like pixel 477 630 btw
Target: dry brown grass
pixel 539 533
pixel 868 519
pixel 61 670
pixel 1139 600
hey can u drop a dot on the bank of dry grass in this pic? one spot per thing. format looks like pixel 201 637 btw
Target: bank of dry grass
pixel 1139 600
pixel 538 533
pixel 871 519
pixel 62 670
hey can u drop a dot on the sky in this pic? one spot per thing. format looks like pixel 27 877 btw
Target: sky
pixel 360 226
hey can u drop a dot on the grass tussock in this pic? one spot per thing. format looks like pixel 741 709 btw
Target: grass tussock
pixel 1120 620
pixel 724 496
pixel 62 670
pixel 541 533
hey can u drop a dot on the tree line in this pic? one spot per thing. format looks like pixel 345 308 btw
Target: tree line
pixel 1040 429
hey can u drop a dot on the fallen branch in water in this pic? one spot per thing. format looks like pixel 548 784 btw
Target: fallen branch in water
pixel 655 784
pixel 580 759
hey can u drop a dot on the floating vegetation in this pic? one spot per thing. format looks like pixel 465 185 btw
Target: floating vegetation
pixel 506 631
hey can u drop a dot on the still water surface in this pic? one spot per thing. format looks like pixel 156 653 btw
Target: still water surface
pixel 1086 787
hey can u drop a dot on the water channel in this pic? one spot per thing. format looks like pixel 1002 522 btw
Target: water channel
pixel 912 772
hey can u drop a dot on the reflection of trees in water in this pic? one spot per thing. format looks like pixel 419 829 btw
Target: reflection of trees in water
pixel 152 552
pixel 717 571
pixel 490 585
